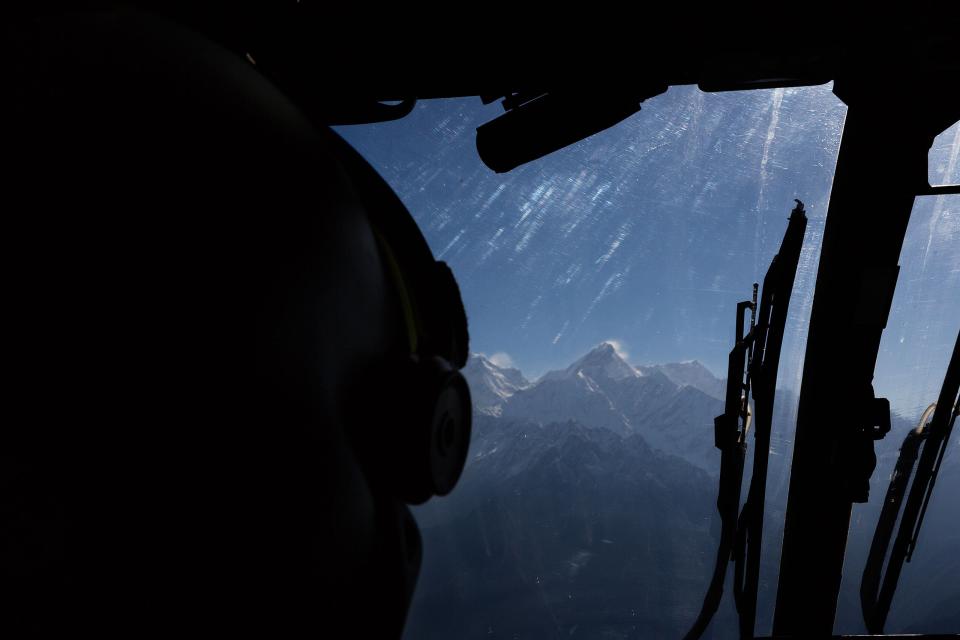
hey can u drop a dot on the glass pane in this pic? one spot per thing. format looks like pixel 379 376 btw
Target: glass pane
pixel 916 346
pixel 942 164
pixel 601 284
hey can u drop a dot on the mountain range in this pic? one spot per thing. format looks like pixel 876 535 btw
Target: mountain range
pixel 586 507
pixel 671 406
pixel 587 510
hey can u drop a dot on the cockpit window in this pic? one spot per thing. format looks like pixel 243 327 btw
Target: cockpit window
pixel 943 161
pixel 914 352
pixel 601 283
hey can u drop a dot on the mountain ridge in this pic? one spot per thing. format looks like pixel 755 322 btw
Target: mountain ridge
pixel 671 406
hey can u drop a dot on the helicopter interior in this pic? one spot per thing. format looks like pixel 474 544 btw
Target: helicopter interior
pixel 182 319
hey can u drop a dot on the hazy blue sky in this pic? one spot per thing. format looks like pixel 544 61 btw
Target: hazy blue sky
pixel 650 232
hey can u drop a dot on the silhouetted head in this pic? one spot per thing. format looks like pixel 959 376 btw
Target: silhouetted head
pixel 236 360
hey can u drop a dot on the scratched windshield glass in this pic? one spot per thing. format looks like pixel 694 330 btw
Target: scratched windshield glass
pixel 601 284
pixel 914 351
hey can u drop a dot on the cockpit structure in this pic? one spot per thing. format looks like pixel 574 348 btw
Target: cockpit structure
pixel 703 300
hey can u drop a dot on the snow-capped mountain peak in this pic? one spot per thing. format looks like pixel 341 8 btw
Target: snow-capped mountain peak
pixel 491 385
pixel 690 373
pixel 601 363
pixel 671 405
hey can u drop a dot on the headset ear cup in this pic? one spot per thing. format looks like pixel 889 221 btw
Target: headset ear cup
pixel 450 433
pixel 435 452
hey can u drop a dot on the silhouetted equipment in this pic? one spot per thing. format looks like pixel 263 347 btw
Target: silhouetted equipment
pixel 367 111
pixel 873 426
pixel 856 280
pixel 893 501
pixel 225 321
pixel 751 372
pixel 199 316
pixel 537 125
pixel 929 441
pixel 730 433
pixel 415 439
pixel 764 364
